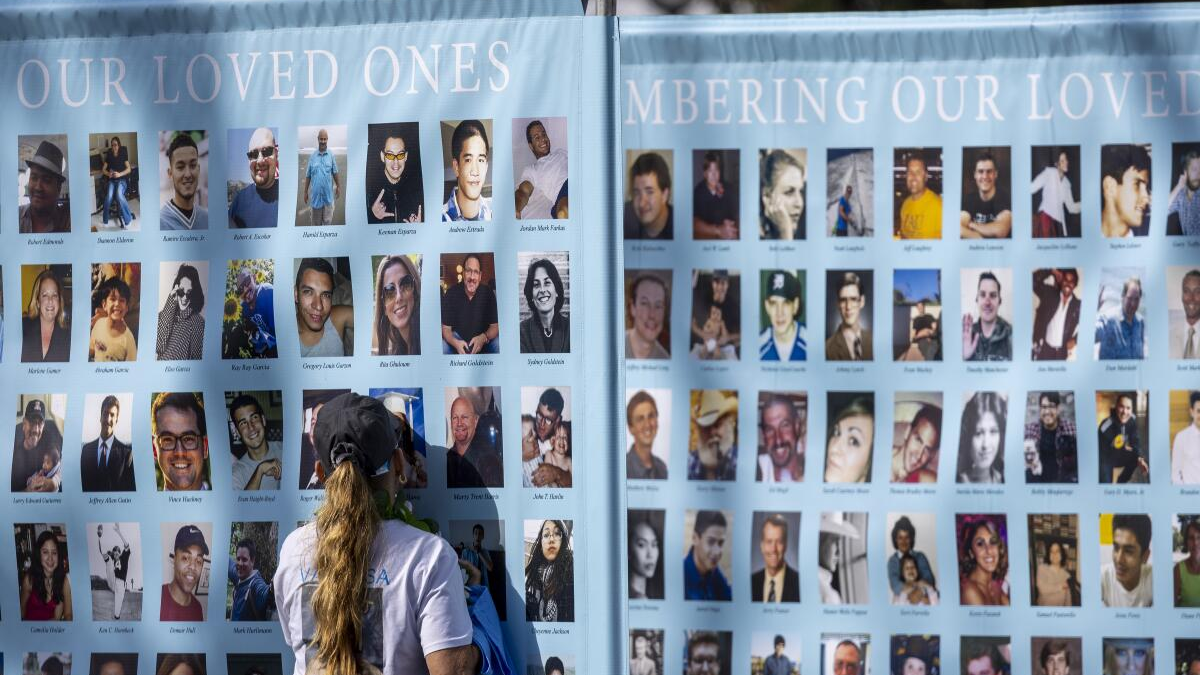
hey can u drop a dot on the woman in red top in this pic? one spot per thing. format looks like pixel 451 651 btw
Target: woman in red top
pixel 45 587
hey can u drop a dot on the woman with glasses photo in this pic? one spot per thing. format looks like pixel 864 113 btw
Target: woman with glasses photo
pixel 180 321
pixel 397 308
pixel 550 575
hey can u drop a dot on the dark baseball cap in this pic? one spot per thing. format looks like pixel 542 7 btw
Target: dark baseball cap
pixel 188 536
pixel 781 283
pixel 35 408
pixel 358 429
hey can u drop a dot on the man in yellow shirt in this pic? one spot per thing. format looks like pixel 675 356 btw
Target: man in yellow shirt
pixel 921 212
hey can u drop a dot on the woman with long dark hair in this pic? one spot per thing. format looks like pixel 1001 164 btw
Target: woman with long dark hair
pixel 45 586
pixel 547 330
pixel 181 320
pixel 645 558
pixel 849 442
pixel 550 575
pixel 981 440
pixel 397 307
pixel 982 563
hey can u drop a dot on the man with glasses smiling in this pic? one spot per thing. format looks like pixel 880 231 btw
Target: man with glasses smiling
pixel 548 418
pixel 393 194
pixel 180 440
pixel 470 324
pixel 260 467
pixel 257 205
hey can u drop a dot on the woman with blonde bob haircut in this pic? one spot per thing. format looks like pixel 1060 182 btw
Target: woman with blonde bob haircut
pixel 397 307
pixel 46 334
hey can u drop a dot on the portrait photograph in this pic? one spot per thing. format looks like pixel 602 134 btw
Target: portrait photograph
pixel 1054 560
pixel 708 555
pixel 252 177
pixel 782 185
pixel 1185 559
pixel 645 553
pixel 1187 655
pixel 1183 206
pixel 466 181
pixel 250 595
pixel 183 180
pixel 849 436
pixel 716 331
pixel 546 437
pixel 254 664
pixel 182 287
pixel 850 192
pixel 916 436
pixel 1184 421
pixel 248 322
pixel 782 436
pixel 1128 656
pixel 982 542
pixel 549 570
pixel 106 458
pixel 981 438
pixel 775 557
pixel 46 291
pixel 1057 300
pixel 115 572
pixel 917 191
pixel 842 568
pixel 179 438
pixel 912 561
pixel 470 322
pixel 715 195
pixel 313 401
pixel 782 315
pixel 646 652
pixel 481 543
pixel 47 663
pixel 553 665
pixel 706 651
pixel 116 305
pixel 1123 435
pixel 985 655
pixel 1183 312
pixel 255 424
pixel 986 193
pixel 42 577
pixel 324 302
pixel 775 653
pixel 647 433
pixel 108 663
pixel 649 208
pixel 407 404
pixel 712 434
pixel 1051 437
pixel 321 166
pixel 180 664
pixel 1056 655
pixel 540 170
pixel 474 442
pixel 396 318
pixel 38 443
pixel 849 306
pixel 113 168
pixel 917 315
pixel 647 314
pixel 1055 191
pixel 43 189
pixel 987 313
pixel 186 571
pixel 395 191
pixel 845 653
pixel 1125 190
pixel 916 655
pixel 1121 315
pixel 544 309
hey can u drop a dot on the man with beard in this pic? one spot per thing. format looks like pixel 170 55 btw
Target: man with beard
pixel 47 173
pixel 179 601
pixel 641 417
pixel 1125 188
pixel 253 596
pixel 257 205
pixel 471 462
pixel 1123 335
pixel 1183 210
pixel 258 313
pixel 713 455
pixel 850 341
pixel 785 338
pixel 321 185
pixel 922 443
pixel 776 581
pixel 106 464
pixel 1056 323
pixel 1121 451
pixel 33 439
pixel 469 321
pixel 1128 581
pixel 547 420
pixel 180 441
pixel 260 467
pixel 1185 335
pixel 469 153
pixel 716 319
pixel 648 213
pixel 986 210
pixel 183 211
pixel 1050 444
pixel 702 575
pixel 399 195
pixel 781 441
pixel 988 338
pixel 322 325
pixel 921 211
pixel 541 190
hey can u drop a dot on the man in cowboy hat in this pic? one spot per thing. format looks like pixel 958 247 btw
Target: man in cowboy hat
pixel 713 451
pixel 47 173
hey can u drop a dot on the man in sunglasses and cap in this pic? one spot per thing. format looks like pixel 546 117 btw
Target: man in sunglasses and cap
pixel 47 173
pixel 257 205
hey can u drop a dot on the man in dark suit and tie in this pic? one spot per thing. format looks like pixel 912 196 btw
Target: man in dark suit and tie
pixel 776 582
pixel 106 464
pixel 1056 324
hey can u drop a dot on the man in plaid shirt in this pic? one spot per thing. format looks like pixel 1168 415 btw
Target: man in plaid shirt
pixel 1050 448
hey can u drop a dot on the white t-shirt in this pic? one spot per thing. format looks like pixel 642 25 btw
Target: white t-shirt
pixel 416 602
pixel 109 348
pixel 546 175
pixel 1113 594
pixel 244 466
